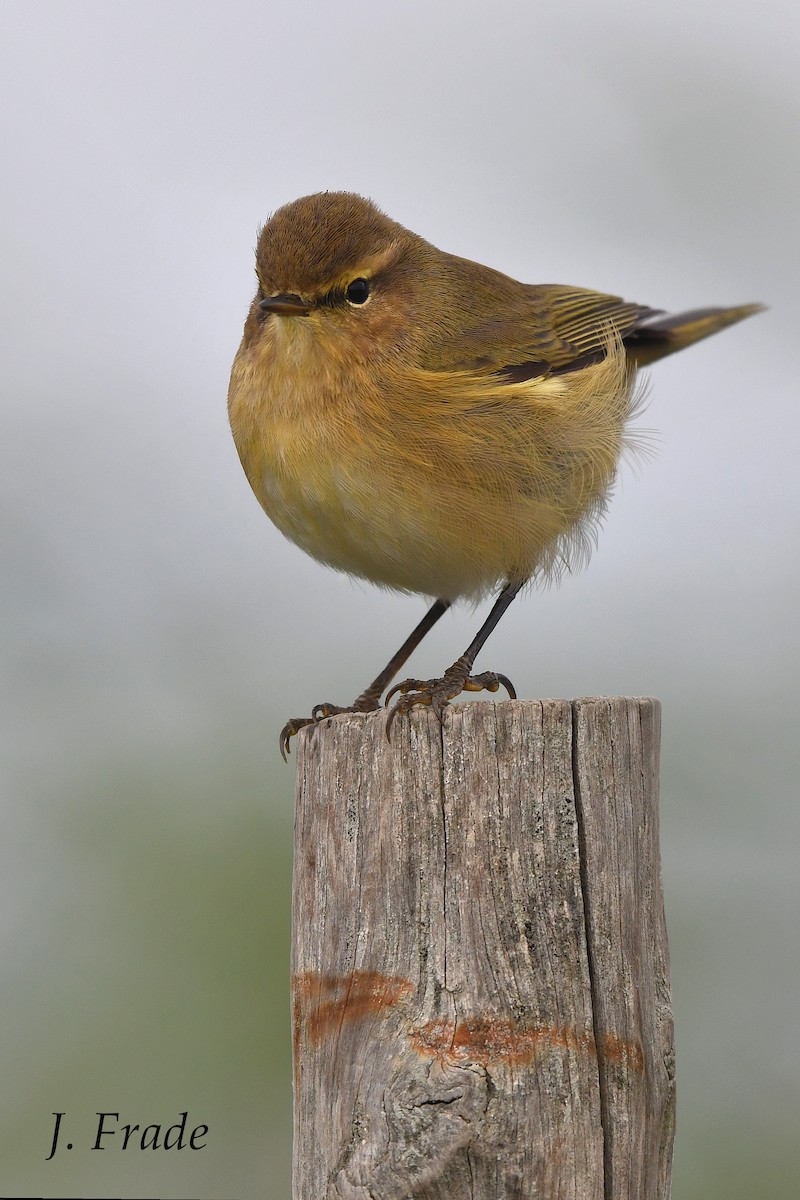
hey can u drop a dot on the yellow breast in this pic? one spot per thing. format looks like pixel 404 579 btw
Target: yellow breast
pixel 442 484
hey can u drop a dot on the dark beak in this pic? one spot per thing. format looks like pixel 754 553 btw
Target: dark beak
pixel 285 305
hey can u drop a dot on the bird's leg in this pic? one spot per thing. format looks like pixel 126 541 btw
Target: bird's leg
pixel 369 699
pixel 457 679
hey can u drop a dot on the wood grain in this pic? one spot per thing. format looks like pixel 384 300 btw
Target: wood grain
pixel 480 970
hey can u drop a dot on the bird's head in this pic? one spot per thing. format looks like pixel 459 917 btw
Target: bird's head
pixel 334 271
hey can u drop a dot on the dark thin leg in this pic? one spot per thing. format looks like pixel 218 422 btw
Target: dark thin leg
pixel 456 679
pixel 369 698
pixel 498 608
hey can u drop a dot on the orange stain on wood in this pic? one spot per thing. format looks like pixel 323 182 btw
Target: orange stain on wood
pixel 493 1039
pixel 324 1003
pixel 618 1050
pixel 489 1040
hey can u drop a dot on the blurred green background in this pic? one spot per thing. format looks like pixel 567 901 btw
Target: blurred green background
pixel 158 630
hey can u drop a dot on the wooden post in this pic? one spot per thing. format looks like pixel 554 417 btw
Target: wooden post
pixel 480 971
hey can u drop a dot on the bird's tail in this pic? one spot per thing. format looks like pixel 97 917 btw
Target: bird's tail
pixel 660 336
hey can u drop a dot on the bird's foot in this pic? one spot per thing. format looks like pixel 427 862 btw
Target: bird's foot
pixel 437 693
pixel 367 702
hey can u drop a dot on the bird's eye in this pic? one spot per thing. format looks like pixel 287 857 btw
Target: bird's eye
pixel 357 292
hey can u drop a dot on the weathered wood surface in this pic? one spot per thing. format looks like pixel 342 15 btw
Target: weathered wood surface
pixel 480 972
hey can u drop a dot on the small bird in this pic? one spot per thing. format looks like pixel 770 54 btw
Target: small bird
pixel 428 423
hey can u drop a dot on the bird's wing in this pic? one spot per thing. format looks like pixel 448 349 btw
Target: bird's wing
pixel 567 329
pixel 529 331
pixel 540 330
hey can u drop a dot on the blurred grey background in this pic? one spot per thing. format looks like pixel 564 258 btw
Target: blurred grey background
pixel 158 630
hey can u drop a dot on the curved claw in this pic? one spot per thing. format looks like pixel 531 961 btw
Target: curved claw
pixel 490 681
pixel 508 685
pixel 366 702
pixel 389 720
pixel 408 685
pixel 292 726
pixel 321 711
